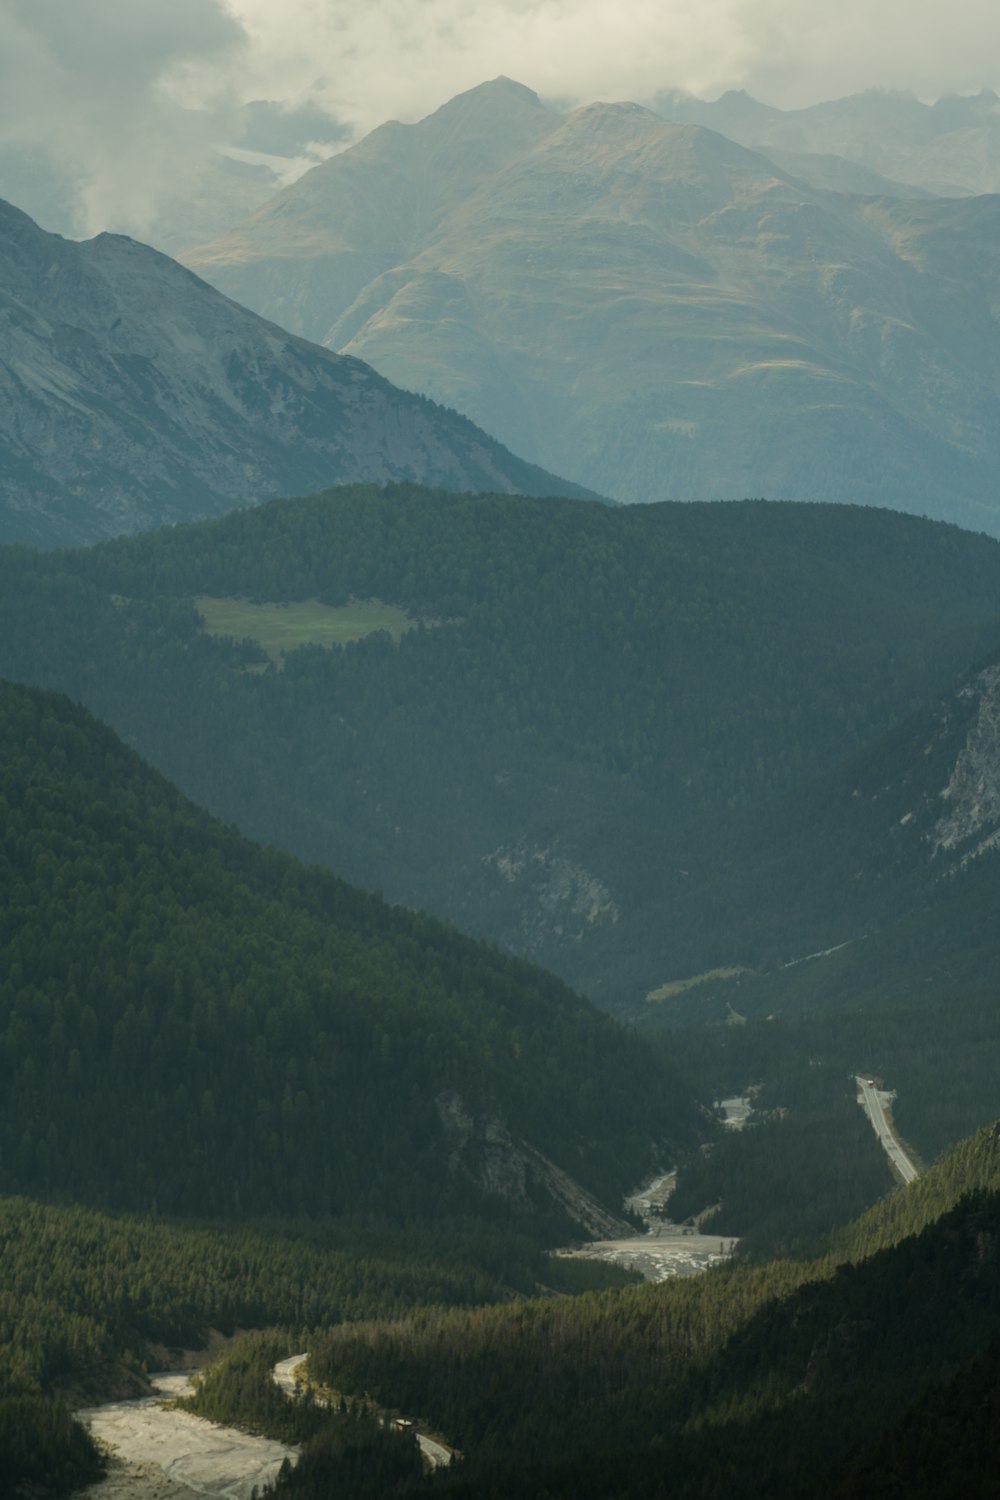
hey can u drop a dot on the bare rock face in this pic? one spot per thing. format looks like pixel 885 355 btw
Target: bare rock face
pixel 972 795
pixel 557 896
pixel 132 394
pixel 481 1148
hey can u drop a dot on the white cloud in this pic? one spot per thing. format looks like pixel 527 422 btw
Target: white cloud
pixel 401 58
pixel 101 85
pixel 398 59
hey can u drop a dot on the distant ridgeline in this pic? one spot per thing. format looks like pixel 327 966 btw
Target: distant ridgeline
pixel 171 402
pixel 190 1024
pixel 560 691
pixel 655 310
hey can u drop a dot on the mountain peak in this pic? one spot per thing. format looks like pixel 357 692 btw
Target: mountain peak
pixel 504 85
pixel 499 98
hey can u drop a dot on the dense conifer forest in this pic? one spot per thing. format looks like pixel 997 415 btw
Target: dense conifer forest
pixel 88 1299
pixel 779 1379
pixel 190 1024
pixel 580 684
pixel 745 1381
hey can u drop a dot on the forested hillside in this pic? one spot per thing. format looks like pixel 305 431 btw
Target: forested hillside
pixel 577 685
pixel 189 1024
pixel 89 1301
pixel 889 861
pixel 742 1382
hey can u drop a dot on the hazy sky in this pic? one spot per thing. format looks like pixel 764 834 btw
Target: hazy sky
pixel 97 83
pixel 399 58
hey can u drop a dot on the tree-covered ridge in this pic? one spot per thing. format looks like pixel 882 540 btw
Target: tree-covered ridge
pixel 746 1381
pixel 888 858
pixel 345 1451
pixel 600 678
pixel 190 1024
pixel 88 1300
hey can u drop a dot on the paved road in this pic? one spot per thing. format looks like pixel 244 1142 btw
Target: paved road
pixel 871 1102
pixel 436 1454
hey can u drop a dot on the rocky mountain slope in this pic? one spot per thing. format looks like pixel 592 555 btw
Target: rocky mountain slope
pixel 647 306
pixel 133 394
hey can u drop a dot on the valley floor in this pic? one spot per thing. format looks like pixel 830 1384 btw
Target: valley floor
pixel 665 1250
pixel 160 1453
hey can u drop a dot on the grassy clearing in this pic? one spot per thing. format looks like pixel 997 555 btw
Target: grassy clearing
pixel 280 628
pixel 678 986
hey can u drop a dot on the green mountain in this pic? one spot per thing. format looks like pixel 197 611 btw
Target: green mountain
pixel 847 928
pixel 90 1301
pixel 882 874
pixel 133 395
pixel 192 1025
pixel 647 306
pixel 559 691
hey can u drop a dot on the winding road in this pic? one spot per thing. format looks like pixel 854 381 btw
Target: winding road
pixel 871 1101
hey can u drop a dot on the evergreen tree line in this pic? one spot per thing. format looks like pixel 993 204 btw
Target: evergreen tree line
pixel 86 1298
pixel 348 1451
pixel 190 1024
pixel 809 1160
pixel 776 1380
pixel 654 664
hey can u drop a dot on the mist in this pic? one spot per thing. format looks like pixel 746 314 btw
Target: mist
pixel 124 98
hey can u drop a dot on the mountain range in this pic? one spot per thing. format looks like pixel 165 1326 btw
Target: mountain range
pixel 200 175
pixel 880 141
pixel 132 394
pixel 647 306
pixel 733 770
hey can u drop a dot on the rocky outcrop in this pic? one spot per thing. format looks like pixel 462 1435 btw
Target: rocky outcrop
pixel 557 897
pixel 972 795
pixel 481 1148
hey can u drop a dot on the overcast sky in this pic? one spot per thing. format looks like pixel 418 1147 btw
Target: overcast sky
pixel 96 83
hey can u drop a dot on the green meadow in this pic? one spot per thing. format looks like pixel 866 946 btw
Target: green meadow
pixel 280 628
pixel 678 986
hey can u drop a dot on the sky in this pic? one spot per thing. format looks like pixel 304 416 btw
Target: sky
pixel 125 94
